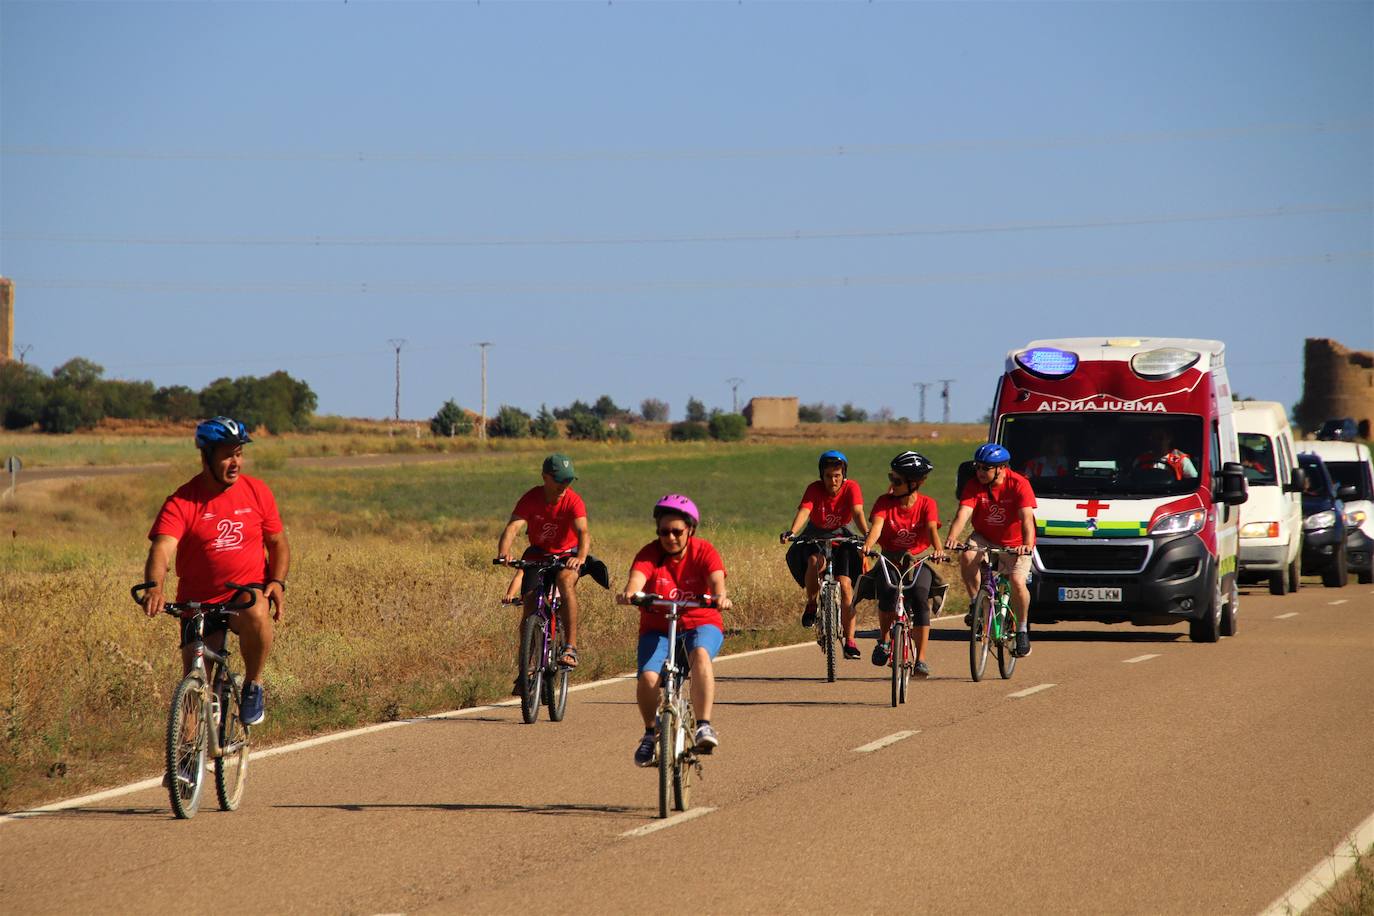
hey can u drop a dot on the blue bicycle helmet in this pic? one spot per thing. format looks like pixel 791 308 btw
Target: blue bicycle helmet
pixel 992 453
pixel 221 429
pixel 831 457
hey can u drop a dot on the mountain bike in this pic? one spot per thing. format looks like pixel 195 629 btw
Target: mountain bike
pixel 993 621
pixel 539 673
pixel 204 719
pixel 829 627
pixel 902 657
pixel 679 764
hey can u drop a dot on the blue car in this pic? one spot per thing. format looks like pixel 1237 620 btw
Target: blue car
pixel 1323 524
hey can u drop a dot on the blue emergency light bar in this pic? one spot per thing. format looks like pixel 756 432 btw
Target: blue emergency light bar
pixel 1047 362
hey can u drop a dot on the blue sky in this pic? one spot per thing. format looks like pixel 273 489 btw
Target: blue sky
pixel 832 200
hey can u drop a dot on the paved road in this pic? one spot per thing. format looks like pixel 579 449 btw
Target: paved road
pixel 1154 776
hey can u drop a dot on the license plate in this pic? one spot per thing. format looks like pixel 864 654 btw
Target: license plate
pixel 1090 594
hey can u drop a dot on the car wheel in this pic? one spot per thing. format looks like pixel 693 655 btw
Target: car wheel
pixel 1337 575
pixel 1278 582
pixel 1228 621
pixel 1208 627
pixel 1295 575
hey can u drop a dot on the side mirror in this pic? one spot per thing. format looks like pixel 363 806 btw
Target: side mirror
pixel 1234 489
pixel 1346 493
pixel 1298 483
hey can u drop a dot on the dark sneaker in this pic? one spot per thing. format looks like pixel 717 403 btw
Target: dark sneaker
pixel 515 688
pixel 922 669
pixel 648 747
pixel 809 615
pixel 880 654
pixel 706 739
pixel 251 710
pixel 167 780
pixel 968 620
pixel 1022 644
pixel 851 650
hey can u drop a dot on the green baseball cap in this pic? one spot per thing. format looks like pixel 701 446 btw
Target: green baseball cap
pixel 560 468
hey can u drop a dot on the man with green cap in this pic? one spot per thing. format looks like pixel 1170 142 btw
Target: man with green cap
pixel 556 520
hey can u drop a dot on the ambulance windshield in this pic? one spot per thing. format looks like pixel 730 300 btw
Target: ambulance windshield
pixel 1108 454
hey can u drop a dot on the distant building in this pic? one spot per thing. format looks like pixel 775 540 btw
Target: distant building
pixel 771 413
pixel 6 319
pixel 1336 382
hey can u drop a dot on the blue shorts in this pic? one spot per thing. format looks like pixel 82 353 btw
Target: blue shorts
pixel 653 647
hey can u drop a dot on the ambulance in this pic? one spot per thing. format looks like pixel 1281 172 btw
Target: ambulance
pixel 1130 447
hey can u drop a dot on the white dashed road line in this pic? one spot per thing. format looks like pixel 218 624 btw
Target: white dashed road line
pixel 669 822
pixel 1339 601
pixel 1286 616
pixel 1140 658
pixel 884 742
pixel 1028 691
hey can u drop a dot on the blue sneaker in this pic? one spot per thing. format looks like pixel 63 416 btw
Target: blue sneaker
pixel 647 750
pixel 251 710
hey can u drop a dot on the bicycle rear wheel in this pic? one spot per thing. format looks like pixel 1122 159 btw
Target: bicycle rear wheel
pixel 830 627
pixel 231 766
pixel 188 734
pixel 978 637
pixel 531 666
pixel 1006 655
pixel 667 738
pixel 556 690
pixel 684 765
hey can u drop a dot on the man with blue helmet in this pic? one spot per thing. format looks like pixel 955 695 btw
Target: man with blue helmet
pixel 223 526
pixel 1001 505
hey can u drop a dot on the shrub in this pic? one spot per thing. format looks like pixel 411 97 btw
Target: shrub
pixel 68 409
pixel 23 390
pixel 451 420
pixel 276 401
pixel 605 408
pixel 851 414
pixel 727 427
pixel 586 426
pixel 817 413
pixel 510 423
pixel 176 402
pixel 653 410
pixel 545 426
pixel 565 413
pixel 688 431
pixel 696 411
pixel 622 433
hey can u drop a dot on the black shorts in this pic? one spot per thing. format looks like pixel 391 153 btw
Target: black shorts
pixel 846 560
pixel 916 595
pixel 215 624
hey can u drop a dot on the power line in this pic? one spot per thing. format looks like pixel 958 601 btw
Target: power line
pixel 777 235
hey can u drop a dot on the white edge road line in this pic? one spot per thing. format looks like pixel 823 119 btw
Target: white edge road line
pixel 307 743
pixel 1029 690
pixel 1326 873
pixel 1140 658
pixel 1286 616
pixel 1339 601
pixel 884 742
pixel 688 815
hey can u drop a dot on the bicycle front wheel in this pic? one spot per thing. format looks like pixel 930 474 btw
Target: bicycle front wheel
pixel 667 738
pixel 531 666
pixel 908 661
pixel 978 637
pixel 556 688
pixel 894 661
pixel 231 766
pixel 188 735
pixel 1006 655
pixel 684 765
pixel 829 627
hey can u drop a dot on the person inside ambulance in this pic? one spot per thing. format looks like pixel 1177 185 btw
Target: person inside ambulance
pixel 1052 461
pixel 1163 456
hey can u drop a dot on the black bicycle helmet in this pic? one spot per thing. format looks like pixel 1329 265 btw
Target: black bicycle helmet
pixel 912 465
pixel 832 457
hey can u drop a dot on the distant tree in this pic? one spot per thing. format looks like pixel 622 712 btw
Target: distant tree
pixel 69 408
pixel 276 401
pixel 586 426
pixel 510 423
pixel 653 410
pixel 688 431
pixel 606 409
pixel 728 427
pixel 851 414
pixel 126 400
pixel 78 372
pixel 986 417
pixel 545 425
pixel 23 391
pixel 817 413
pixel 696 411
pixel 176 402
pixel 565 413
pixel 450 421
pixel 884 415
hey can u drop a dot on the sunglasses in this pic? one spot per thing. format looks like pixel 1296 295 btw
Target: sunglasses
pixel 672 532
pixel 988 467
pixel 893 478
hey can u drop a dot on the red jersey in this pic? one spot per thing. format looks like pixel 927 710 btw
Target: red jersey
pixel 1047 466
pixel 905 528
pixel 219 536
pixel 550 525
pixel 687 575
pixel 831 512
pixel 997 511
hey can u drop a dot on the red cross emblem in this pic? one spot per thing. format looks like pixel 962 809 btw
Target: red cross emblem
pixel 1093 507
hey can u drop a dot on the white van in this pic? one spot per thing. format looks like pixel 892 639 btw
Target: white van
pixel 1350 466
pixel 1271 520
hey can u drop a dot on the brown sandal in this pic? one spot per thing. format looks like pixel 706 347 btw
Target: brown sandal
pixel 569 657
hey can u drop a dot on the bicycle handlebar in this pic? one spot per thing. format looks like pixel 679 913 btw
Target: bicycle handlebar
pixel 649 599
pixel 990 551
pixel 242 599
pixel 835 540
pixel 545 563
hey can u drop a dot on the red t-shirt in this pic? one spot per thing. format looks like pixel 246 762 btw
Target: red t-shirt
pixel 219 537
pixel 831 512
pixel 687 575
pixel 997 512
pixel 903 528
pixel 550 525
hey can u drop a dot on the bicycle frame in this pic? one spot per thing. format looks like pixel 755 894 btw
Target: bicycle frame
pixel 902 655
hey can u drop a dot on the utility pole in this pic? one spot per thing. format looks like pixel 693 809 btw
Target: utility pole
pixel 482 430
pixel 944 396
pixel 734 384
pixel 922 386
pixel 398 343
pixel 23 351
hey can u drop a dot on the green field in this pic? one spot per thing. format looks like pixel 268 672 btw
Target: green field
pixel 393 603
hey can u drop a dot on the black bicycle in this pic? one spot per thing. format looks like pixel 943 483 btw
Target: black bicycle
pixel 829 626
pixel 540 674
pixel 205 720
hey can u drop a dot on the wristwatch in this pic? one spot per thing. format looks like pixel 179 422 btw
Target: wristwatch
pixel 281 582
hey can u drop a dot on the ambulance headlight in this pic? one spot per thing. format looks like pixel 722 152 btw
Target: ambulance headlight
pixel 1164 363
pixel 1047 362
pixel 1180 522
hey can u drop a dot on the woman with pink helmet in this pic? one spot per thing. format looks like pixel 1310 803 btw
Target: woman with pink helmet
pixel 678 565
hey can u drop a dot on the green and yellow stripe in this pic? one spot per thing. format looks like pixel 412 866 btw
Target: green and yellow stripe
pixel 1071 529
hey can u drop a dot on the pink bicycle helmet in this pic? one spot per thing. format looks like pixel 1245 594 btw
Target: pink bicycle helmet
pixel 676 502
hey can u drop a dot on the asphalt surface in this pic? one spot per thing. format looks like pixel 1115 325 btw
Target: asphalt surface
pixel 1154 776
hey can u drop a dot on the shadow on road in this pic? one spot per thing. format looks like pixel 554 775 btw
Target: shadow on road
pixel 800 704
pixel 553 810
pixel 161 813
pixel 769 678
pixel 1044 633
